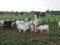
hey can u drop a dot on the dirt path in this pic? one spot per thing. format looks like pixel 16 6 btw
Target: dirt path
pixel 9 33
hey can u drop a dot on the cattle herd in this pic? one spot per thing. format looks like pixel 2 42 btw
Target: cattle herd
pixel 24 25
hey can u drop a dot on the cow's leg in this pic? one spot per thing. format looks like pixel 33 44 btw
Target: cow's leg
pixel 24 31
pixel 35 27
pixel 35 31
pixel 41 30
pixel 19 30
pixel 47 30
pixel 4 26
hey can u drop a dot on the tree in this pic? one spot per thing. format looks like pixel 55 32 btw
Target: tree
pixel 21 13
pixel 16 13
pixel 47 11
pixel 37 13
pixel 42 14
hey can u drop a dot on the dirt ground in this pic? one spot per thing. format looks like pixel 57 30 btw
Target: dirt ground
pixel 7 34
pixel 4 33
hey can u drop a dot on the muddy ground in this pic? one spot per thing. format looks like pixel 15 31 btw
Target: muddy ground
pixel 44 38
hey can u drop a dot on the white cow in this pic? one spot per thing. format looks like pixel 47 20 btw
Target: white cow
pixel 23 25
pixel 58 23
pixel 1 22
pixel 43 27
pixel 18 22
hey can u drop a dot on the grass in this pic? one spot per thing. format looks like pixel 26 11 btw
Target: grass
pixel 14 16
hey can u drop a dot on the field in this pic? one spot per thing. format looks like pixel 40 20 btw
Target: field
pixel 13 37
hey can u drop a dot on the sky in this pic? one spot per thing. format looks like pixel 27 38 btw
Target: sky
pixel 29 5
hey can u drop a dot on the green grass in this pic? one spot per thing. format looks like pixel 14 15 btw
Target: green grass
pixel 14 16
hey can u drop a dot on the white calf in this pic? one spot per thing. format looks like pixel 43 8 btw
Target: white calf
pixel 1 22
pixel 43 27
